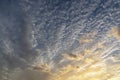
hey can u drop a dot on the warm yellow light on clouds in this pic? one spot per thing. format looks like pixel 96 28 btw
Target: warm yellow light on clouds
pixel 114 32
pixel 87 64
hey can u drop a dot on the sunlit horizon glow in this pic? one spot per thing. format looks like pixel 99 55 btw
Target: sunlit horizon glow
pixel 91 65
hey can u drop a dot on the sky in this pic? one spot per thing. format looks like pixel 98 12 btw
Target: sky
pixel 60 39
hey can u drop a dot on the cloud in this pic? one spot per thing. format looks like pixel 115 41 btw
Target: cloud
pixel 71 56
pixel 41 67
pixel 114 32
pixel 31 75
